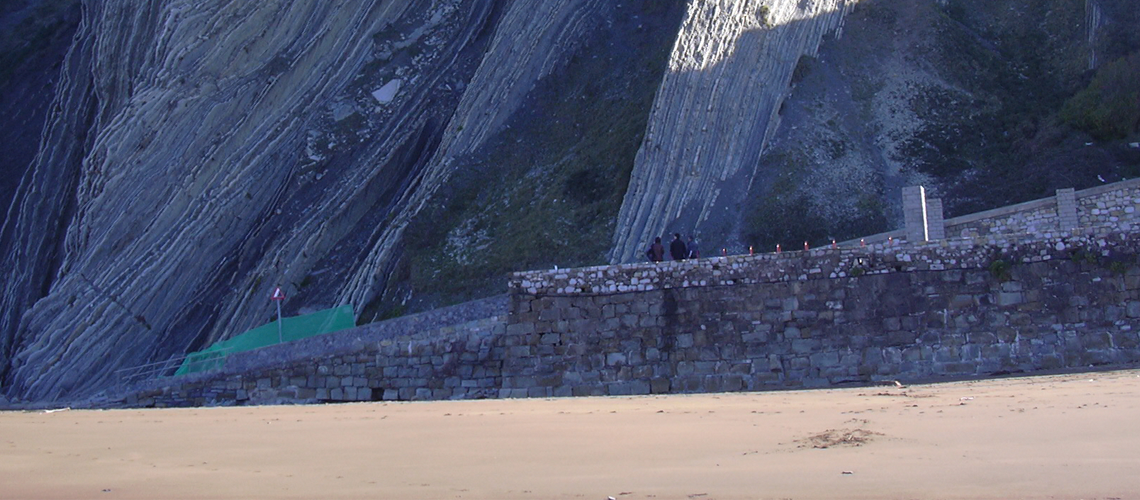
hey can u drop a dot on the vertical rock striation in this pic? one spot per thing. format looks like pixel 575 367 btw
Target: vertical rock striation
pixel 171 188
pixel 200 153
pixel 715 110
pixel 535 36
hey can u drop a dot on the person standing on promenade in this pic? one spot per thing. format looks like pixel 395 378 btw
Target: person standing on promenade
pixel 677 248
pixel 656 252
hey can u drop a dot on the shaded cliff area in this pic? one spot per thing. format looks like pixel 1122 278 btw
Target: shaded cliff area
pixel 34 36
pixel 979 101
pixel 179 159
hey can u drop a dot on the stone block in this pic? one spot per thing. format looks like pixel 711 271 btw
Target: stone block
pixel 791 304
pixel 686 368
pixel 797 364
pixel 589 390
pixel 1096 340
pixel 824 359
pixel 689 384
pixel 685 340
pixel 627 388
pixel 615 359
pixel 336 394
pixel 520 329
pixel 629 320
pixel 958 368
pixel 1006 299
pixel 708 367
pixel 1132 310
pixel 652 354
pixel 391 395
pixel 773 365
pixel 803 346
pixel 892 324
pixel 659 386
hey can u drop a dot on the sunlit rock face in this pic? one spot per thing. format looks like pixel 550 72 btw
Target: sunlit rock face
pixel 200 153
pixel 715 111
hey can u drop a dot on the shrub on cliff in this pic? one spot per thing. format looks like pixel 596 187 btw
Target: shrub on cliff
pixel 1109 108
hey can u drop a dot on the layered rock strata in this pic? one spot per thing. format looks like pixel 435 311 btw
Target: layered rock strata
pixel 201 153
pixel 717 107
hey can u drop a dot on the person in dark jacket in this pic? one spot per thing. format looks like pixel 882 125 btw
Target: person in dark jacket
pixel 694 253
pixel 677 248
pixel 656 252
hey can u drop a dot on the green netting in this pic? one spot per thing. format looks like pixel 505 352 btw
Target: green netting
pixel 295 328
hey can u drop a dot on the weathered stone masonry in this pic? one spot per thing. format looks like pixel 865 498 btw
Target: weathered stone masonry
pixel 963 307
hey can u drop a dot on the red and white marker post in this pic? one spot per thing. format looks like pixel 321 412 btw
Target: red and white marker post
pixel 278 297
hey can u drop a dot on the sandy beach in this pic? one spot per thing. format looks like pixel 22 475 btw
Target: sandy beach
pixel 1062 436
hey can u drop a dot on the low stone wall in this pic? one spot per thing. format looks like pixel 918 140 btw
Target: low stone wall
pixel 1102 209
pixel 427 367
pixel 912 325
pixel 824 263
pixel 920 313
pixel 1035 218
pixel 1112 206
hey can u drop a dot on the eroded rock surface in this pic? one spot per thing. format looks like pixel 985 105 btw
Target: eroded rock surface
pixel 202 153
pixel 715 111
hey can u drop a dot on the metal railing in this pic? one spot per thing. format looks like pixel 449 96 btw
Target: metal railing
pixel 213 359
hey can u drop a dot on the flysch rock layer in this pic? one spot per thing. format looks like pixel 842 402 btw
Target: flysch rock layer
pixel 536 36
pixel 716 109
pixel 193 109
pixel 201 153
pixel 191 185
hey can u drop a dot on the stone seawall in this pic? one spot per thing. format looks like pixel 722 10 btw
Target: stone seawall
pixel 942 309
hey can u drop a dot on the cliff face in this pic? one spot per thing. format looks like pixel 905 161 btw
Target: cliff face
pixel 202 153
pixel 397 155
pixel 965 97
pixel 715 111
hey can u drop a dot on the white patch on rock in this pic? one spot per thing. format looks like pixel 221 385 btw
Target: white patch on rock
pixel 387 93
pixel 342 110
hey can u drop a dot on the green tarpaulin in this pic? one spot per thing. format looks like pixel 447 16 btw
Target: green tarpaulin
pixel 295 328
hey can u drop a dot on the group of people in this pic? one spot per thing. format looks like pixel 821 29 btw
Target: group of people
pixel 678 250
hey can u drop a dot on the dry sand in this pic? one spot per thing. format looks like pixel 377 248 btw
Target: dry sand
pixel 1066 436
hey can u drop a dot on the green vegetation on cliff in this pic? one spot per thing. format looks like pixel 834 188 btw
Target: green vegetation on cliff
pixel 1109 108
pixel 547 189
pixel 984 102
